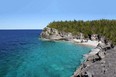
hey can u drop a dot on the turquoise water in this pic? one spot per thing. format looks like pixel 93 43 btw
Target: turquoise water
pixel 22 54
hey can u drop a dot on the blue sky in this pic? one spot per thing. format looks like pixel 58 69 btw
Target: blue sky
pixel 36 14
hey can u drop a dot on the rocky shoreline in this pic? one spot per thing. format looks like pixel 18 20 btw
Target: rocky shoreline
pixel 96 65
pixel 96 62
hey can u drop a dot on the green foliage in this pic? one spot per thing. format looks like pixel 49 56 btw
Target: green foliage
pixel 103 27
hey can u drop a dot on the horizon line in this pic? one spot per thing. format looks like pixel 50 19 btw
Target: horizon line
pixel 21 29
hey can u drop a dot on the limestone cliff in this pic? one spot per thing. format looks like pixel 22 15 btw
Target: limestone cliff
pixel 54 34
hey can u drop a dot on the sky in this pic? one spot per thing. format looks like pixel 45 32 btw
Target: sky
pixel 37 14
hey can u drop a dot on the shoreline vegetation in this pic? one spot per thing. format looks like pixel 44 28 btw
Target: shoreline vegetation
pixel 103 27
pixel 98 33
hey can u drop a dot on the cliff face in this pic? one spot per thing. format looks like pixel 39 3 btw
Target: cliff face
pixel 49 33
pixel 54 34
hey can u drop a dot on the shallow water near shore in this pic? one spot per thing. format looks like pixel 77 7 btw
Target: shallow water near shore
pixel 22 54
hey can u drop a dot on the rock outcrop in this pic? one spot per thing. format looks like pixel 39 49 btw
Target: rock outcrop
pixel 50 33
pixel 54 34
pixel 100 64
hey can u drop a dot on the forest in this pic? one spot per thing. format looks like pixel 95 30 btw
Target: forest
pixel 102 27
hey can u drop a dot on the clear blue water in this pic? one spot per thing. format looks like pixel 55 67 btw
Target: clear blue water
pixel 23 54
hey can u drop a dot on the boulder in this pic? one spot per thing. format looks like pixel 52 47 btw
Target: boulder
pixel 93 58
pixel 101 54
pixel 94 37
pixel 103 39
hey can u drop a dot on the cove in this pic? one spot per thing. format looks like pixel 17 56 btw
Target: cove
pixel 22 54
